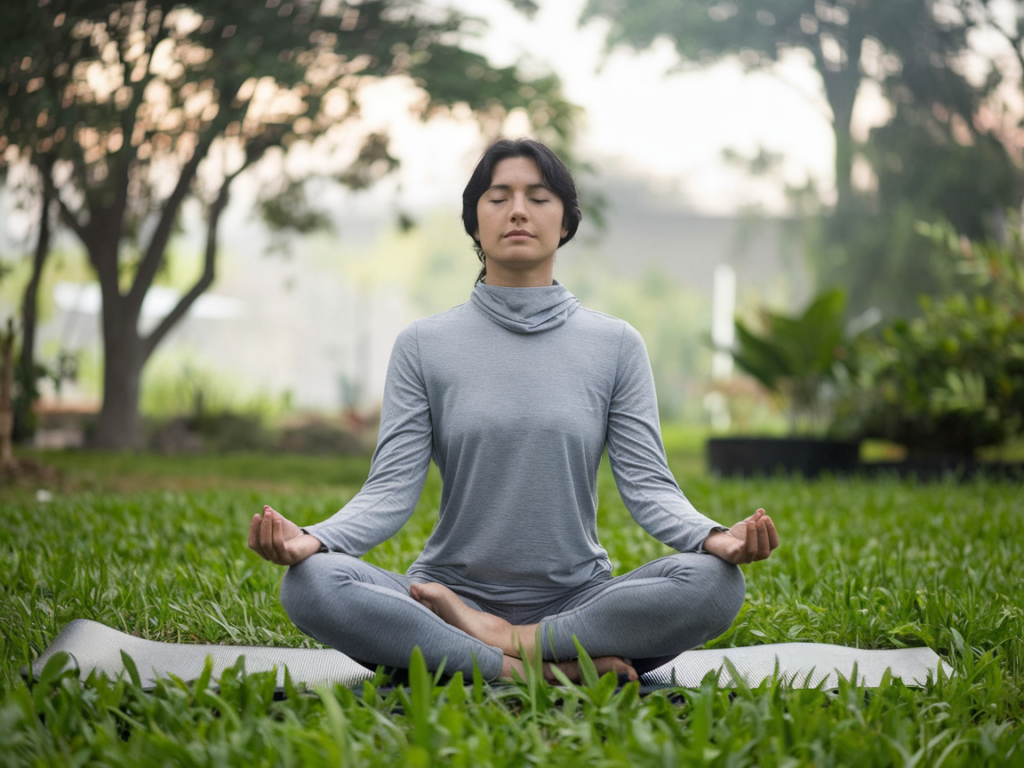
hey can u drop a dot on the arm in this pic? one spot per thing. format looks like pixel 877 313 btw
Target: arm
pixel 646 484
pixel 397 473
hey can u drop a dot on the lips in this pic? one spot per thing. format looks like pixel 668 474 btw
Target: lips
pixel 518 233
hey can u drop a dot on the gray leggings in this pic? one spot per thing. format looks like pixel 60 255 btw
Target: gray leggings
pixel 648 615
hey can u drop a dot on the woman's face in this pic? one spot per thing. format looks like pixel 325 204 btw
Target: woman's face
pixel 519 225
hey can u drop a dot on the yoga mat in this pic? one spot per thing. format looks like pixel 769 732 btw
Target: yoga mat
pixel 800 665
pixel 92 645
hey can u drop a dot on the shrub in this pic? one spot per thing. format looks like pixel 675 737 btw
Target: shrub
pixel 222 431
pixel 322 437
pixel 952 380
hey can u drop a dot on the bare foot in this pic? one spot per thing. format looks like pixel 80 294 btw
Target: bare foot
pixel 615 664
pixel 570 669
pixel 515 641
pixel 512 640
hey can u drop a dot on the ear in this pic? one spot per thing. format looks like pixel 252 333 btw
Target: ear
pixel 476 234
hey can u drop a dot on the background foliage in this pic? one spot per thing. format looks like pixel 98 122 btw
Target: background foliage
pixel 949 146
pixel 952 380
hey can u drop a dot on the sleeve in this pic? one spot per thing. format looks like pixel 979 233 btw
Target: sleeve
pixel 400 462
pixel 637 455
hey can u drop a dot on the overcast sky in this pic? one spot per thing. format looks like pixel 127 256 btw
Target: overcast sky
pixel 672 127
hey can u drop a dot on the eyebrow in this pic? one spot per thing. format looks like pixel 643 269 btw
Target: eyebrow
pixel 508 187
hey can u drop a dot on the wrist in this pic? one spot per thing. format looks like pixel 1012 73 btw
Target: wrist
pixel 310 544
pixel 716 533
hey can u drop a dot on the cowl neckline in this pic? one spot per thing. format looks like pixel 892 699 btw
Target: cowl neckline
pixel 525 310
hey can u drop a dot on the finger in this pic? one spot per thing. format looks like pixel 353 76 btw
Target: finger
pixel 763 547
pixel 773 535
pixel 750 542
pixel 254 534
pixel 281 555
pixel 267 533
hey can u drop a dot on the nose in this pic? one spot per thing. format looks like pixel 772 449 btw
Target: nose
pixel 518 212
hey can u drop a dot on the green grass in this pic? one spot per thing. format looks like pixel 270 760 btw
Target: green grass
pixel 99 471
pixel 872 564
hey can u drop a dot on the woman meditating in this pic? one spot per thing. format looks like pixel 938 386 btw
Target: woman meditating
pixel 515 395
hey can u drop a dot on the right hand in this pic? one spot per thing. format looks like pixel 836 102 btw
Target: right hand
pixel 279 540
pixel 751 539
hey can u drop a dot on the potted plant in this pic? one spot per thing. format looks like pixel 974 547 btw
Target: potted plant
pixel 796 359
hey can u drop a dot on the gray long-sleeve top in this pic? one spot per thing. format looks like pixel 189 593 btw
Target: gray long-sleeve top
pixel 515 394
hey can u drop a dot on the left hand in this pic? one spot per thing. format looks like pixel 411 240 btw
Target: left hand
pixel 274 537
pixel 749 540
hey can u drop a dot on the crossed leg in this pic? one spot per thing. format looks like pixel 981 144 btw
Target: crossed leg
pixel 628 624
pixel 638 620
pixel 516 641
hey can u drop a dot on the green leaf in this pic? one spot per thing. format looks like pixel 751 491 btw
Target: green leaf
pixel 478 683
pixel 204 678
pixel 421 688
pixel 587 669
pixel 133 671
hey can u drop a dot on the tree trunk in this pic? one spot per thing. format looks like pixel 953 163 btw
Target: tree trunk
pixel 6 385
pixel 844 166
pixel 841 92
pixel 120 425
pixel 24 426
pixel 125 350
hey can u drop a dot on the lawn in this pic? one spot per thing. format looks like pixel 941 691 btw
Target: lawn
pixel 156 547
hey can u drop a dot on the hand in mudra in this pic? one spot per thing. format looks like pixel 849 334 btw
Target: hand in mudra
pixel 279 540
pixel 749 540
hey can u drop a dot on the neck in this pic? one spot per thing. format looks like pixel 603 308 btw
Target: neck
pixel 538 277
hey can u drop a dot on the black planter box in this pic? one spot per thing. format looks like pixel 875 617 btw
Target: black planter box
pixel 806 456
pixel 810 457
pixel 931 468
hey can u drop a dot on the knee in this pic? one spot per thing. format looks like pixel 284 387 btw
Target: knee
pixel 307 585
pixel 728 584
pixel 720 586
pixel 298 586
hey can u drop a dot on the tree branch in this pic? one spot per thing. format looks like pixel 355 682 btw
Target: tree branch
pixel 128 117
pixel 209 270
pixel 158 243
pixel 69 218
pixel 122 166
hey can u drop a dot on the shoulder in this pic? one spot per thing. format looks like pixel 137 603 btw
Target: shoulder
pixel 608 329
pixel 450 320
pixel 617 341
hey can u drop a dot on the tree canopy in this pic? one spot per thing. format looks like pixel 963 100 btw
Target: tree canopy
pixel 934 157
pixel 901 46
pixel 127 109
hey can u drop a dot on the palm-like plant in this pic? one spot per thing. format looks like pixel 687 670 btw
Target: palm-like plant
pixel 794 357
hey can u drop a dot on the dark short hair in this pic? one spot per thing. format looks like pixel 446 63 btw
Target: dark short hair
pixel 553 173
